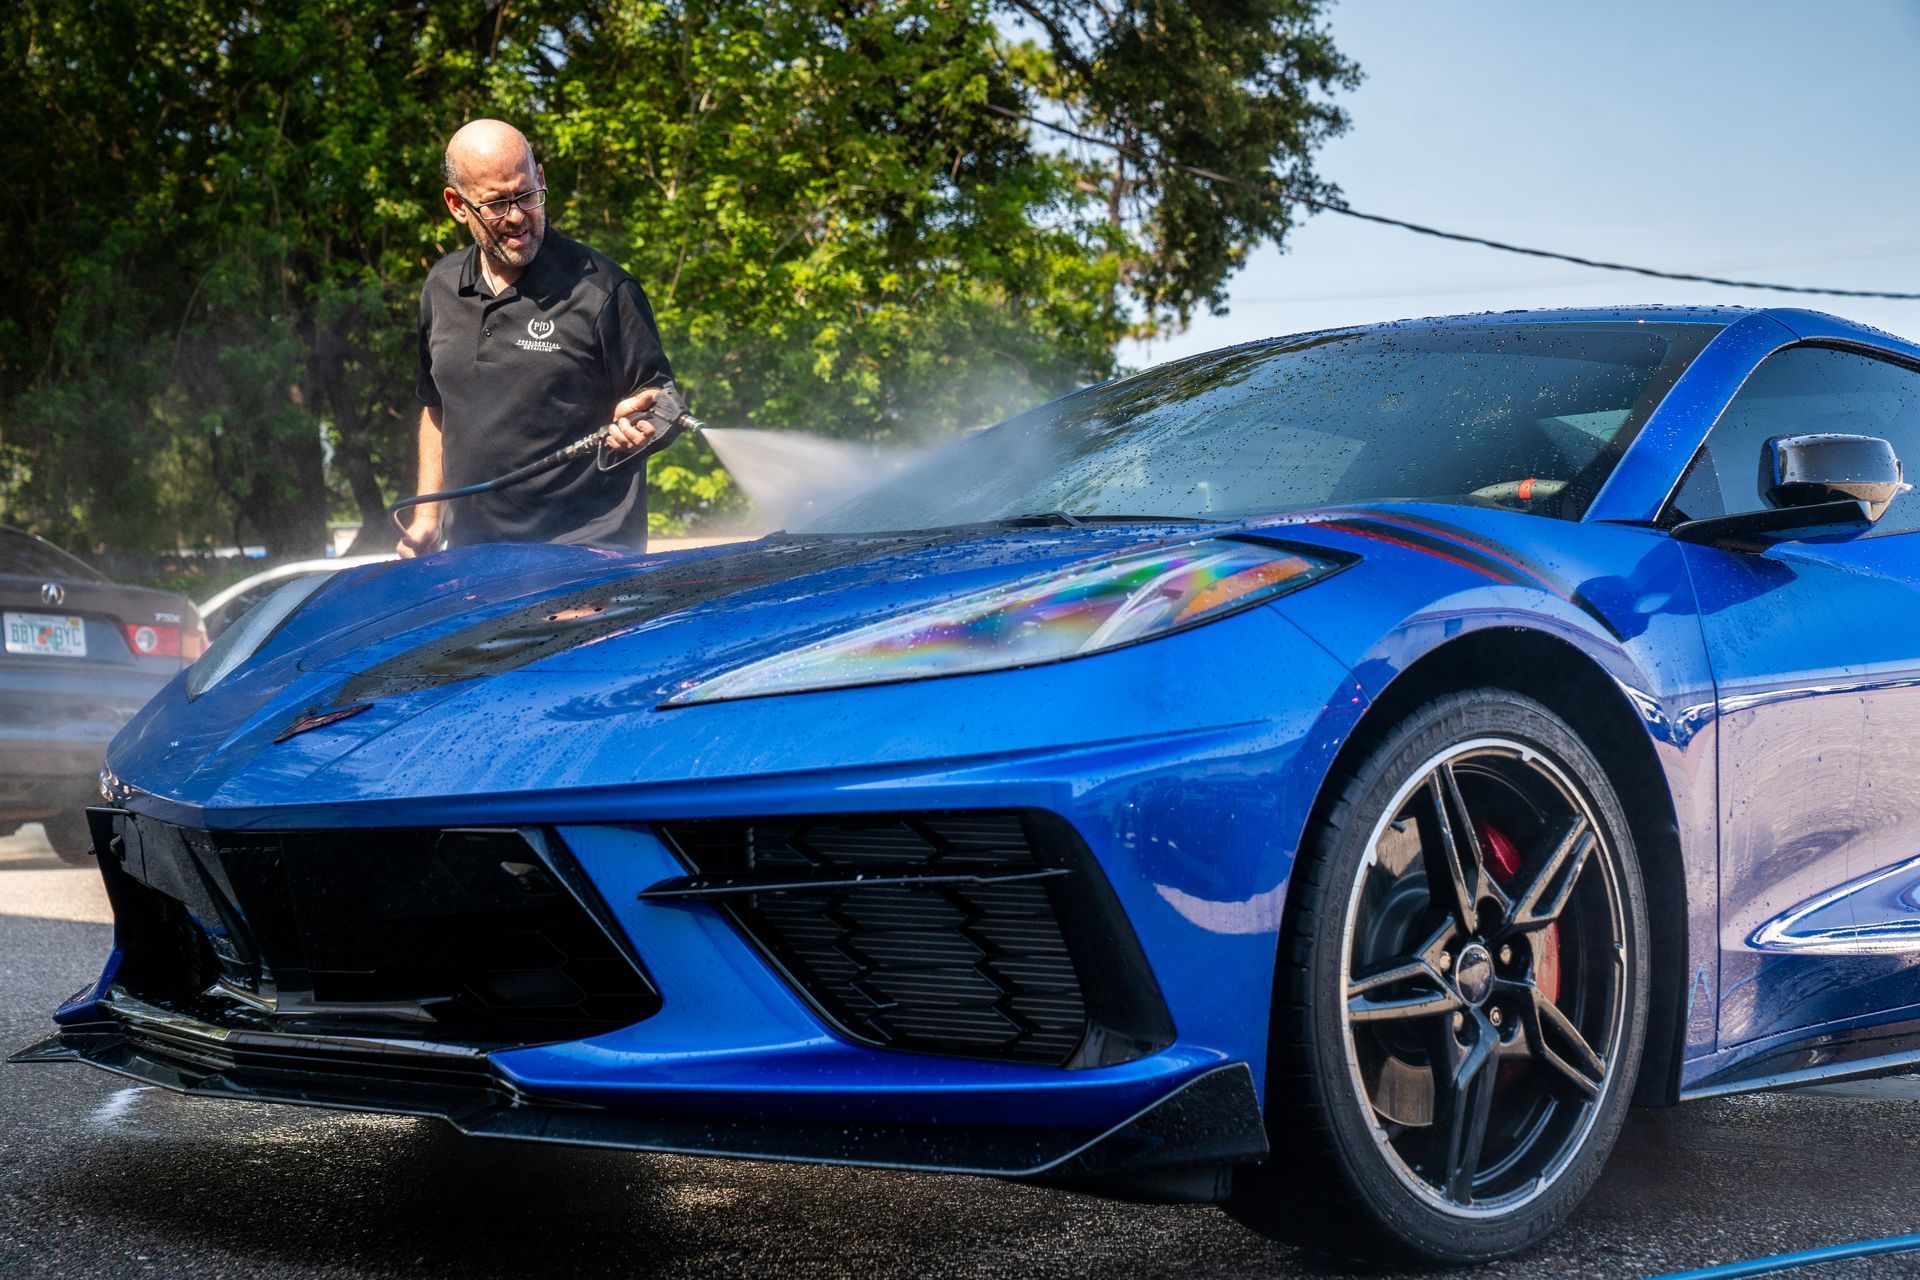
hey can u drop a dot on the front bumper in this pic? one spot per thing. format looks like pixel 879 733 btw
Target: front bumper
pixel 1209 1123
pixel 271 967
pixel 1191 825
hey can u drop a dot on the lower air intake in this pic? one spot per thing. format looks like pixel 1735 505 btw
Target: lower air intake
pixel 471 936
pixel 980 935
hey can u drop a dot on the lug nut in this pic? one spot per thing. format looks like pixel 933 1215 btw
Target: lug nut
pixel 1506 955
pixel 1446 962
pixel 1459 1022
pixel 1493 1016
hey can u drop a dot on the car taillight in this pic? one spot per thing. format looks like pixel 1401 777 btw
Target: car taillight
pixel 151 641
pixel 193 643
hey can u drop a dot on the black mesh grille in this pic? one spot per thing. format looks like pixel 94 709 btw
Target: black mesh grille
pixel 975 945
pixel 479 936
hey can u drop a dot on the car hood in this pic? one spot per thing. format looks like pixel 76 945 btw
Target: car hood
pixel 509 633
pixel 684 614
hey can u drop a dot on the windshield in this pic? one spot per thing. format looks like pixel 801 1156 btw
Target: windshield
pixel 1529 416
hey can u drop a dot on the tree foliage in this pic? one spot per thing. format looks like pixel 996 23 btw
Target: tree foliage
pixel 226 208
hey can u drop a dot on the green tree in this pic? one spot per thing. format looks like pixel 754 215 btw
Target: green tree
pixel 229 207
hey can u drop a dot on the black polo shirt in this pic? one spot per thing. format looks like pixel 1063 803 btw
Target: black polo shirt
pixel 522 373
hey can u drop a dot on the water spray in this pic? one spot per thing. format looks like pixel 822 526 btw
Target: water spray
pixel 667 414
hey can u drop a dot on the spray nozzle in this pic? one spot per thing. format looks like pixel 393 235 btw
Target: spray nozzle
pixel 669 411
pixel 666 415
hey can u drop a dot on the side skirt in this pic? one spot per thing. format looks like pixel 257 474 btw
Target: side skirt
pixel 1859 1054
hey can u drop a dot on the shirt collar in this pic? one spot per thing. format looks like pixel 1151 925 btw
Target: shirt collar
pixel 544 277
pixel 470 270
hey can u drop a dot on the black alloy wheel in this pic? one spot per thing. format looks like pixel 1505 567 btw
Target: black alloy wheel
pixel 1460 999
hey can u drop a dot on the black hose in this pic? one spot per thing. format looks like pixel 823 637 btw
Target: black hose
pixel 565 453
pixel 668 414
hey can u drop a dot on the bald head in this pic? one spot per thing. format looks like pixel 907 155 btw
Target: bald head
pixel 491 173
pixel 486 145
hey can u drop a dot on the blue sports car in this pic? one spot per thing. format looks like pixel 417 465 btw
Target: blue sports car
pixel 1332 777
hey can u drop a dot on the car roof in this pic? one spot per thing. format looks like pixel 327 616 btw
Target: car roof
pixel 1811 325
pixel 1650 312
pixel 1647 313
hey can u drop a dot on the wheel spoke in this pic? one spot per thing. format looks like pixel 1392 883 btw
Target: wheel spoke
pixel 1558 1045
pixel 1428 1004
pixel 1463 1103
pixel 1454 861
pixel 1437 997
pixel 1545 896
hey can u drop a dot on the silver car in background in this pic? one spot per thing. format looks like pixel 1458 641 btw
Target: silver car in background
pixel 222 609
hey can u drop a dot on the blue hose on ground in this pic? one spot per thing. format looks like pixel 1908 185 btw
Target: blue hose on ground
pixel 1789 1261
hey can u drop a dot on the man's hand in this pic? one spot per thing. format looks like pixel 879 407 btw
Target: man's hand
pixel 630 430
pixel 422 536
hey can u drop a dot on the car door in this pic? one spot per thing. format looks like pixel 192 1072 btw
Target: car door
pixel 1815 648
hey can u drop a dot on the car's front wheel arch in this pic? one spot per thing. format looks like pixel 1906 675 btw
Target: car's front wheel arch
pixel 1575 687
pixel 1575 691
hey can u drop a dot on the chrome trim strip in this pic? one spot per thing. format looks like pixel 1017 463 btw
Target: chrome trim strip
pixel 1883 938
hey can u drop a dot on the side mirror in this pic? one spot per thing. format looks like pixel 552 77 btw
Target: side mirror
pixel 1799 471
pixel 1827 483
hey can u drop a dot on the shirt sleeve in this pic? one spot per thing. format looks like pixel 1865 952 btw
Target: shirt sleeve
pixel 423 384
pixel 630 342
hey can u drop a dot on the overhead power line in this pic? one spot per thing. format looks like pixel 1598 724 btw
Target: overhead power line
pixel 1272 191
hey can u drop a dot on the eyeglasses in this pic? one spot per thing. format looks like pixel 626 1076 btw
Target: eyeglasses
pixel 494 210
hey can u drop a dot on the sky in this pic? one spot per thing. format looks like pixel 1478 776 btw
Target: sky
pixel 1762 140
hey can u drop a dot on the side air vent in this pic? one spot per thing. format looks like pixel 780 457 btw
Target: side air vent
pixel 980 935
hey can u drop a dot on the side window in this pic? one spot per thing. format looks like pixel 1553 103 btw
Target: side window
pixel 1698 497
pixel 1804 390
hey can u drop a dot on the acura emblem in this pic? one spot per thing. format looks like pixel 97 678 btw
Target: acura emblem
pixel 52 593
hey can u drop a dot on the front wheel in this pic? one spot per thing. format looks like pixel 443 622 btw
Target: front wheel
pixel 1460 999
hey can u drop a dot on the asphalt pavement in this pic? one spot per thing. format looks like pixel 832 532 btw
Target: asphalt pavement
pixel 101 1177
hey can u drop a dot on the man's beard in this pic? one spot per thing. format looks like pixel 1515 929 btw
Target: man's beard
pixel 491 239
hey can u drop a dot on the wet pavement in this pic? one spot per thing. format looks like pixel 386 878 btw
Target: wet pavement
pixel 99 1177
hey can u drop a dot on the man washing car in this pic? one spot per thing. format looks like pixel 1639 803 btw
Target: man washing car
pixel 529 340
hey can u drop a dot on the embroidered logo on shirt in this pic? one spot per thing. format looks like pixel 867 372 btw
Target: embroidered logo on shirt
pixel 538 331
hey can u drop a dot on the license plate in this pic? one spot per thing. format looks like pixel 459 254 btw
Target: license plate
pixel 49 633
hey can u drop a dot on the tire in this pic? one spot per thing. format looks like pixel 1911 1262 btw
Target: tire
pixel 72 842
pixel 1449 1067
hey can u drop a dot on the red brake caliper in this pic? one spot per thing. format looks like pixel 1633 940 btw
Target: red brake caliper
pixel 1503 859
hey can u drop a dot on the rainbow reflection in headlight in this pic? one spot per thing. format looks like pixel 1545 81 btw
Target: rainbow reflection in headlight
pixel 1086 608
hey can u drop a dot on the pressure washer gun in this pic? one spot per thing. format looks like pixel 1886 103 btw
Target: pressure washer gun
pixel 669 417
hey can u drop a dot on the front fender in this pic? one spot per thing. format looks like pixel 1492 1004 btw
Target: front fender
pixel 1435 582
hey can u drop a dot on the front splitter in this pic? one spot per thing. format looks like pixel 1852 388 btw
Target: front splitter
pixel 1209 1123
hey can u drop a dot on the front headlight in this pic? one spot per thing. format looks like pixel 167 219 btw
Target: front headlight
pixel 252 629
pixel 1083 609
